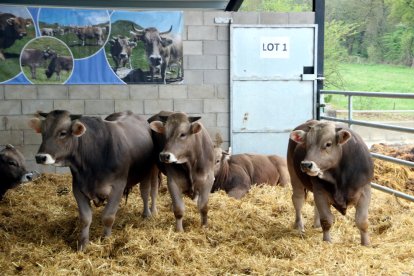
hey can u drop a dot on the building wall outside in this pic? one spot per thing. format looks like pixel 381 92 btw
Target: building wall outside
pixel 205 90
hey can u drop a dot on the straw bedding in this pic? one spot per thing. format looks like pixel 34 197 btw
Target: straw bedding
pixel 252 236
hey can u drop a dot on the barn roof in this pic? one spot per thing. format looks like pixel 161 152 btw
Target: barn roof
pixel 226 5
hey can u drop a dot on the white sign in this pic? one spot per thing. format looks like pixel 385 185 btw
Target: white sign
pixel 274 47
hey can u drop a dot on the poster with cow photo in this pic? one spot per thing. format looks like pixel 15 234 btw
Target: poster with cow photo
pixel 79 46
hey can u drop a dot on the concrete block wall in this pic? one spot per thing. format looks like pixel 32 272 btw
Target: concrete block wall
pixel 205 90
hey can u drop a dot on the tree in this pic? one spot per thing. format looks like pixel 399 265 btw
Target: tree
pixel 402 15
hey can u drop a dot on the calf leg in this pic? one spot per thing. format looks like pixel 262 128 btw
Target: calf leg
pixel 108 214
pixel 33 71
pixel 237 193
pixel 361 214
pixel 85 215
pixel 177 202
pixel 155 184
pixel 316 218
pixel 298 198
pixel 144 188
pixel 324 210
pixel 204 188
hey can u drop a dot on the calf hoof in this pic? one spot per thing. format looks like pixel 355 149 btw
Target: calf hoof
pixel 327 237
pixel 154 212
pixel 365 240
pixel 179 227
pixel 82 244
pixel 107 232
pixel 317 224
pixel 146 214
pixel 299 227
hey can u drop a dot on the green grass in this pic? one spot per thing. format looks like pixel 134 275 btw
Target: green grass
pixel 374 78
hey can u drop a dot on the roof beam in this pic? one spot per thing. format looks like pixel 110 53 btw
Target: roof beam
pixel 143 4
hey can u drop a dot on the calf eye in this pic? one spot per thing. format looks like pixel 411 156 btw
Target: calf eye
pixel 12 163
pixel 62 134
pixel 182 135
pixel 328 144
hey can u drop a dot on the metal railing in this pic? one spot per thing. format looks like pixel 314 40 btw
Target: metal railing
pixel 350 121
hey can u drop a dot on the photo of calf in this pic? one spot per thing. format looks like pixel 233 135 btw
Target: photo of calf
pixel 145 49
pixel 16 29
pixel 46 60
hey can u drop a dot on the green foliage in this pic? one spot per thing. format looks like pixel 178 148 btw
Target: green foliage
pixel 336 33
pixel 402 11
pixel 399 46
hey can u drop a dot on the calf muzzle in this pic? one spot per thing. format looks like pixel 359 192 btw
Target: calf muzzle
pixel 40 158
pixel 306 166
pixel 167 157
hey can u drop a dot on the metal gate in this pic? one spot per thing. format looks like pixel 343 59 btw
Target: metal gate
pixel 272 85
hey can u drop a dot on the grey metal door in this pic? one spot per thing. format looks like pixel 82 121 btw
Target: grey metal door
pixel 272 85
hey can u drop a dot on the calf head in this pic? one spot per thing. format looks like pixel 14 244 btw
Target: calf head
pixel 12 169
pixel 121 48
pixel 60 133
pixel 48 53
pixel 178 130
pixel 154 43
pixel 19 26
pixel 220 158
pixel 323 143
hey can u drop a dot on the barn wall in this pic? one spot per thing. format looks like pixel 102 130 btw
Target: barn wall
pixel 205 90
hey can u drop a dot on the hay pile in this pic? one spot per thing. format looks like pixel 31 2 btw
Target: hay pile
pixel 392 175
pixel 39 228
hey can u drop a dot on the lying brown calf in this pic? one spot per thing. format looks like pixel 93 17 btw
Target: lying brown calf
pixel 12 169
pixel 235 174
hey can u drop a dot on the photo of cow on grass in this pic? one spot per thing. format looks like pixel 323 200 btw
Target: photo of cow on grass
pixel 16 29
pixel 84 31
pixel 46 56
pixel 145 49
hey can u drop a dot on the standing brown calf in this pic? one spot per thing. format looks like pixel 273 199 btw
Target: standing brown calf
pixel 235 174
pixel 185 151
pixel 334 163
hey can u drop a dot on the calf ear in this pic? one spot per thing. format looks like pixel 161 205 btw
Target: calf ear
pixel 36 124
pixel 195 128
pixel 78 129
pixel 163 118
pixel 10 21
pixel 194 118
pixel 75 116
pixel 298 136
pixel 157 126
pixel 343 136
pixel 43 114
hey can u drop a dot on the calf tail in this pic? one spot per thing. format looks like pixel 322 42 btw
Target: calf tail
pixel 126 193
